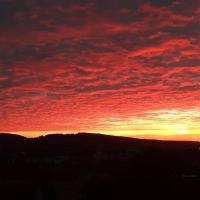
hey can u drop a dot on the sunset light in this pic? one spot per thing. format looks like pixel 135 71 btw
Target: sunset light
pixel 99 99
pixel 129 68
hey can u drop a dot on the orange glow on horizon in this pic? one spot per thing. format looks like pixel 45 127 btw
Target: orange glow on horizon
pixel 194 136
pixel 160 124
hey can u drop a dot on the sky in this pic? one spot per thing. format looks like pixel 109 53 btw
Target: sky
pixel 120 67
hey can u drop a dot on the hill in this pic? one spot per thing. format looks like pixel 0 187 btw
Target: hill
pixel 88 166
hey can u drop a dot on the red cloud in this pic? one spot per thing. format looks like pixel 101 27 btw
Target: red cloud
pixel 69 66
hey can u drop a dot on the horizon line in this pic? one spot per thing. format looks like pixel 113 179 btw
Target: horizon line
pixel 161 137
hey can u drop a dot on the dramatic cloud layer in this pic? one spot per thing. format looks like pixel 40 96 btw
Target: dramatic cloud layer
pixel 110 66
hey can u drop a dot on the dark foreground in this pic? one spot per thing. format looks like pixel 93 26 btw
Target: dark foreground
pixel 97 167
